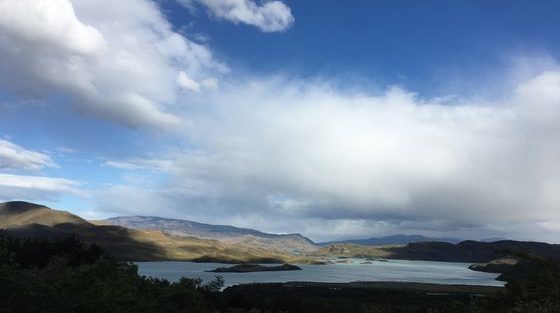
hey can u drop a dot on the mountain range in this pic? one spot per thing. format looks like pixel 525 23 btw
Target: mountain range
pixel 294 243
pixel 469 251
pixel 152 238
pixel 401 239
pixel 398 239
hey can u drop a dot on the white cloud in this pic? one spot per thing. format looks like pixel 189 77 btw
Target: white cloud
pixel 209 83
pixel 192 85
pixel 186 82
pixel 299 151
pixel 142 164
pixel 13 156
pixel 50 23
pixel 113 59
pixel 270 16
pixel 67 150
pixel 33 188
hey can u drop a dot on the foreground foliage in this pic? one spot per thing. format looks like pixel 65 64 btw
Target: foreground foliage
pixel 66 276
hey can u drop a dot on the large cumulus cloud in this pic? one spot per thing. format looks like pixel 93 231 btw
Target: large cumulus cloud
pixel 279 154
pixel 304 151
pixel 118 60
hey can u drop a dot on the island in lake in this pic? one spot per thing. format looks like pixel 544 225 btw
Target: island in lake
pixel 248 268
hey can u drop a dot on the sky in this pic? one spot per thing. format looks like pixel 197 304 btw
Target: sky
pixel 333 119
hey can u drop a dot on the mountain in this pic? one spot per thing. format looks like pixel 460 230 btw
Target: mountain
pixel 293 243
pixel 466 251
pixel 19 213
pixel 493 239
pixel 391 240
pixel 152 238
pixel 24 219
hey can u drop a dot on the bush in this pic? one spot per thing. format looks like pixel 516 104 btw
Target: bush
pixel 66 276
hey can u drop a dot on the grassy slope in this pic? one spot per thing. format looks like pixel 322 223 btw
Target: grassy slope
pixel 22 213
pixel 28 219
pixel 283 243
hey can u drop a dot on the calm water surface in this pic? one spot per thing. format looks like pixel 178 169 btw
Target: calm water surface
pixel 392 270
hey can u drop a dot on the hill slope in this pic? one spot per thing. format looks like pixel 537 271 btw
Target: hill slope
pixel 18 213
pixel 465 251
pixel 24 219
pixel 294 243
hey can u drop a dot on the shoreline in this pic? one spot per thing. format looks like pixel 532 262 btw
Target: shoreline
pixel 427 288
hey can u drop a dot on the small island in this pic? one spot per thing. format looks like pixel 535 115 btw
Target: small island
pixel 248 268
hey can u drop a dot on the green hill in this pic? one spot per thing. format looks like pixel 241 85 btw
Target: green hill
pixel 24 219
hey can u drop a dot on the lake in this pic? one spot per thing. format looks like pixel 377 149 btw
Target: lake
pixel 391 270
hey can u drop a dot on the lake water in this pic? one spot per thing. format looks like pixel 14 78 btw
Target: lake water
pixel 392 270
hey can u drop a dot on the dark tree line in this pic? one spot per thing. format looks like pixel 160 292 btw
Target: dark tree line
pixel 64 275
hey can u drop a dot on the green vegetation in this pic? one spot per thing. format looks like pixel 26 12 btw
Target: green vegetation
pixel 65 276
pixel 534 285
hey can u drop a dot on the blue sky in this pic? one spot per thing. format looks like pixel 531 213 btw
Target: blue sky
pixel 389 42
pixel 330 118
